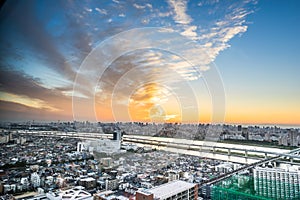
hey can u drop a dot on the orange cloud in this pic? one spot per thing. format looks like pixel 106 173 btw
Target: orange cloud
pixel 24 100
pixel 142 103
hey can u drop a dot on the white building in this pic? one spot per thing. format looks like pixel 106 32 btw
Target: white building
pixel 35 180
pixel 173 175
pixel 81 146
pixel 24 181
pixel 277 183
pixel 101 146
pixel 224 167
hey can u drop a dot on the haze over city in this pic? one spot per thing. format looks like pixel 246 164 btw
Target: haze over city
pixel 253 45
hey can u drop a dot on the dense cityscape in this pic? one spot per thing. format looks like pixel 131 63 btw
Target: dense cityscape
pixel 39 162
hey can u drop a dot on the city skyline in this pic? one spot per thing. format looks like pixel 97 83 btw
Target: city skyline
pixel 44 46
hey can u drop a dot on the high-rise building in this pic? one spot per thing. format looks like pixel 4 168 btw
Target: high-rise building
pixel 172 190
pixel 277 183
pixel 239 127
pixel 245 133
pixel 293 137
pixel 117 135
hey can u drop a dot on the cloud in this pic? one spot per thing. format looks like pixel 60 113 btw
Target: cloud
pixel 28 90
pixel 190 32
pixel 145 102
pixel 38 45
pixel 180 8
pixel 28 25
pixel 169 117
pixel 147 5
pixel 101 11
pixel 216 38
pixel 88 9
pixel 140 80
pixel 164 14
pixel 116 1
pixel 11 111
pixel 213 37
pixel 24 100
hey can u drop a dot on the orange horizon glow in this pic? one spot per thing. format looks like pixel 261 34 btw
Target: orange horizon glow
pixel 149 104
pixel 152 103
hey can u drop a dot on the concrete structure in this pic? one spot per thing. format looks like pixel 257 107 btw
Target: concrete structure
pixel 4 139
pixel 88 183
pixel 277 183
pixel 117 135
pixel 76 193
pixel 35 180
pixel 293 137
pixel 81 146
pixel 106 162
pixel 111 184
pixel 224 167
pixel 103 145
pixel 173 175
pixel 172 190
pixel 245 154
pixel 103 195
pixel 237 153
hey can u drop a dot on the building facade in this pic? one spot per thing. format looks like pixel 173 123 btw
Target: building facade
pixel 277 183
pixel 35 180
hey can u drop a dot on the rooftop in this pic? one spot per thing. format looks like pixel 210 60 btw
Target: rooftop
pixel 170 189
pixel 74 193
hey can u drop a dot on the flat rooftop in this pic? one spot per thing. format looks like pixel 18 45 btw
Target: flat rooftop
pixel 170 189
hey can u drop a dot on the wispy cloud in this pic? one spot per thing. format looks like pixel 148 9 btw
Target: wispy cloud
pixel 101 11
pixel 116 1
pixel 180 11
pixel 147 5
pixel 24 100
pixel 215 36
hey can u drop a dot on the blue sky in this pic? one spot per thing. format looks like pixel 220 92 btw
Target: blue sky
pixel 253 44
pixel 262 66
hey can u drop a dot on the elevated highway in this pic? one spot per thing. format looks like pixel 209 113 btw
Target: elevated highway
pixel 247 167
pixel 244 154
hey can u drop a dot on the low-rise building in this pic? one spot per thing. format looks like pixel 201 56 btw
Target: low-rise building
pixel 75 193
pixel 172 190
pixel 88 183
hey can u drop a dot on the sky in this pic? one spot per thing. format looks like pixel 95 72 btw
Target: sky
pixel 204 61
